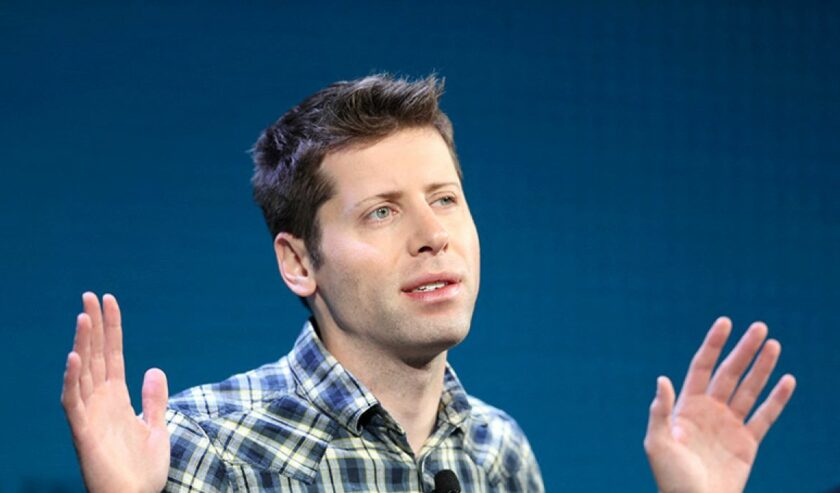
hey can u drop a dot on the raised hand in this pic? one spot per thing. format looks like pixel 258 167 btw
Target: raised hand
pixel 704 443
pixel 118 452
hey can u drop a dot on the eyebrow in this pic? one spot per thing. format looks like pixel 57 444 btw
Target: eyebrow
pixel 396 194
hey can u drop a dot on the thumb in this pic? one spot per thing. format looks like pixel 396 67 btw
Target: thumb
pixel 155 397
pixel 659 423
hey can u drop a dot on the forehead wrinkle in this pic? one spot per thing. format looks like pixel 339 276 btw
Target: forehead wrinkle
pixel 438 185
pixel 365 170
pixel 393 195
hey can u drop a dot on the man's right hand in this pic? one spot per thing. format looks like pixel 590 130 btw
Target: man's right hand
pixel 118 451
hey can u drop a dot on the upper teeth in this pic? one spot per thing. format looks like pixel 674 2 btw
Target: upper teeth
pixel 430 287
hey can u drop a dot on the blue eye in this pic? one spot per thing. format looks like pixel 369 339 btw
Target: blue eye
pixel 381 213
pixel 447 200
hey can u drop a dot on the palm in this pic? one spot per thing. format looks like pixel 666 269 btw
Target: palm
pixel 703 444
pixel 117 451
pixel 711 444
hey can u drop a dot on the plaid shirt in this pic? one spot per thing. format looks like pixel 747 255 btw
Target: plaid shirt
pixel 304 424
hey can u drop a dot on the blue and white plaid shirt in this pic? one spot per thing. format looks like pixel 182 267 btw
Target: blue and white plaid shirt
pixel 304 424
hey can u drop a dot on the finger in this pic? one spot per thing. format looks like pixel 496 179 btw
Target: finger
pixel 752 385
pixel 700 369
pixel 71 398
pixel 736 363
pixel 772 407
pixel 97 339
pixel 114 362
pixel 661 409
pixel 155 396
pixel 81 346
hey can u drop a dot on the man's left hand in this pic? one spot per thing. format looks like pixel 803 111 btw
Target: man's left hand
pixel 704 443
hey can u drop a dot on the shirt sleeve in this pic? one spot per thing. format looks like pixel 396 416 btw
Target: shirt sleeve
pixel 195 462
pixel 529 475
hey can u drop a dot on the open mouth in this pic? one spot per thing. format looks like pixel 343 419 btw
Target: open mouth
pixel 432 286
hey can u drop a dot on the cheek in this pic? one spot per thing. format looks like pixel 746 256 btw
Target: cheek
pixel 477 257
pixel 477 250
pixel 471 240
pixel 350 260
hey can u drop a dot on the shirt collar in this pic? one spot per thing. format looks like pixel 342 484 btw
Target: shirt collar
pixel 454 403
pixel 331 388
pixel 326 383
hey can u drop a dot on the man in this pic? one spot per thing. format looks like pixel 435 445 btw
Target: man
pixel 361 189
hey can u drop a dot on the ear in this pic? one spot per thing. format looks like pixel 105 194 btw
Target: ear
pixel 294 264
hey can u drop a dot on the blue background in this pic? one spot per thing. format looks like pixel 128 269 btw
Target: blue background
pixel 635 170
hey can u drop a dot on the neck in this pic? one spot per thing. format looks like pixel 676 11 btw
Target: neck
pixel 409 390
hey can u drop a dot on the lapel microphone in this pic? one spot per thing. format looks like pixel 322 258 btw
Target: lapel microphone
pixel 447 482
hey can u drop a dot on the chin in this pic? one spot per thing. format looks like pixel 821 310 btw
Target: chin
pixel 436 339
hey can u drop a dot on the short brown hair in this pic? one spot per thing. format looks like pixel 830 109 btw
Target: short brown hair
pixel 287 181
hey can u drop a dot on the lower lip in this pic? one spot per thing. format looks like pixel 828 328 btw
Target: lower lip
pixel 441 294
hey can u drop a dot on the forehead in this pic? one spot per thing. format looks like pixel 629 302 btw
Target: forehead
pixel 407 158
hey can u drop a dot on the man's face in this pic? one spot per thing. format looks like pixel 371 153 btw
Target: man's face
pixel 401 254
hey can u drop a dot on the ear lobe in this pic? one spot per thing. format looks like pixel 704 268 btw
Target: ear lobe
pixel 293 263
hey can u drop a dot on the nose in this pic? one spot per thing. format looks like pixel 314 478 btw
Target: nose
pixel 429 234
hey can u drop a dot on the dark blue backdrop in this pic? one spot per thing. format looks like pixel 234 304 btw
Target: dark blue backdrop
pixel 635 170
